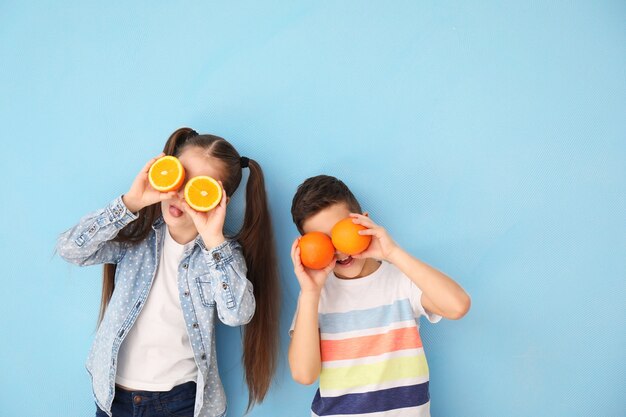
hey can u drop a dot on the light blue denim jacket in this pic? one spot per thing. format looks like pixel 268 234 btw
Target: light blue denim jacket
pixel 210 282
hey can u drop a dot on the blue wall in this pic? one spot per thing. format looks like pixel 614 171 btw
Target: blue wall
pixel 489 138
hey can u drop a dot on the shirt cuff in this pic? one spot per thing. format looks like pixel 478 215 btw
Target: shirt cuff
pixel 119 214
pixel 221 254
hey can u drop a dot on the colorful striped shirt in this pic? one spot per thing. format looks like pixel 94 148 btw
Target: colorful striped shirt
pixel 373 361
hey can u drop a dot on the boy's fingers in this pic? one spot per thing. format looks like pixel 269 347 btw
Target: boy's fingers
pixel 363 221
pixel 330 266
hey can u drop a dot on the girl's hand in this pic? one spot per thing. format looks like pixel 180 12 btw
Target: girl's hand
pixel 210 225
pixel 382 246
pixel 141 194
pixel 311 280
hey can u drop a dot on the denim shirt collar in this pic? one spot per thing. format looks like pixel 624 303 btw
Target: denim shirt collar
pixel 158 224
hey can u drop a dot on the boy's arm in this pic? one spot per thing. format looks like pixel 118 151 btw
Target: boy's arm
pixel 305 359
pixel 440 294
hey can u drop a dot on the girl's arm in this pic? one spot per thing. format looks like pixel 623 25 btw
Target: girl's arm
pixel 305 359
pixel 90 241
pixel 440 294
pixel 232 292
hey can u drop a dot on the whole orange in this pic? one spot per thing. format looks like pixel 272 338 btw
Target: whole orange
pixel 316 250
pixel 346 238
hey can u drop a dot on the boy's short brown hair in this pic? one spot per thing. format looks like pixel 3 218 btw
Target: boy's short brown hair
pixel 317 193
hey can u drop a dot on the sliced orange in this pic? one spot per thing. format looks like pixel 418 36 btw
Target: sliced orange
pixel 203 193
pixel 166 174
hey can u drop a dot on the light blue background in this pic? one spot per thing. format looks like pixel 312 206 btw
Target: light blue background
pixel 488 137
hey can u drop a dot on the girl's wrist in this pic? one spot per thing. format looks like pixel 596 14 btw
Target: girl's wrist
pixel 130 205
pixel 213 241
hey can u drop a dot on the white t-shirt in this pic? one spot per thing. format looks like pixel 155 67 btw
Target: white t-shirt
pixel 373 362
pixel 156 354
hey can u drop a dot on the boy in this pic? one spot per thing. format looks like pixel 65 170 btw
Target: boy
pixel 357 322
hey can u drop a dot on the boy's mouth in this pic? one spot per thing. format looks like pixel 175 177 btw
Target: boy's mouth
pixel 345 261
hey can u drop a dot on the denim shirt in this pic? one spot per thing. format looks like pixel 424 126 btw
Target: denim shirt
pixel 210 282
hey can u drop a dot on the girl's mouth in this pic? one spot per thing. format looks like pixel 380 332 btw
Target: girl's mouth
pixel 345 261
pixel 175 211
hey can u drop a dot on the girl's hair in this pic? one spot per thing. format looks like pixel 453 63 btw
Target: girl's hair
pixel 260 343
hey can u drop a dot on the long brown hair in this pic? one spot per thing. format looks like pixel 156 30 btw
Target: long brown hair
pixel 260 339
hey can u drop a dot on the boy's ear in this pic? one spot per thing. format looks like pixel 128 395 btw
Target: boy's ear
pixel 227 200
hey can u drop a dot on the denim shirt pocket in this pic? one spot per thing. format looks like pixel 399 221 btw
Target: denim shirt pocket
pixel 204 288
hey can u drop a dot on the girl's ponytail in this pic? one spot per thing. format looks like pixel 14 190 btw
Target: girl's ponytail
pixel 261 334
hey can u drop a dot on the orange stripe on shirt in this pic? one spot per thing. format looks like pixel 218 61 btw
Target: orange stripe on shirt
pixel 359 347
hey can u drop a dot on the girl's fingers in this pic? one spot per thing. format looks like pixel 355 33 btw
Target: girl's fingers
pixel 146 167
pixel 192 213
pixel 168 195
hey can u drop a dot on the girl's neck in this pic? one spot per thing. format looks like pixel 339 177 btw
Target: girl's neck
pixel 182 236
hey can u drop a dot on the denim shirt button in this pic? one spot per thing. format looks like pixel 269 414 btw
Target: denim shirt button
pixel 195 325
pixel 203 357
pixel 186 294
pixel 185 266
pixel 217 256
pixel 224 285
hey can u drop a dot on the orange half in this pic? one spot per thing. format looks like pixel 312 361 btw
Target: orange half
pixel 166 174
pixel 203 193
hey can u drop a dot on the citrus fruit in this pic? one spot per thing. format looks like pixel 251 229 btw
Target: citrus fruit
pixel 166 174
pixel 316 250
pixel 203 193
pixel 346 238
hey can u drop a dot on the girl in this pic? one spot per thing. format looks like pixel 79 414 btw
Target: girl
pixel 168 271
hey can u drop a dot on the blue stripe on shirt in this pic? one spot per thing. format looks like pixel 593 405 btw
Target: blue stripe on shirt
pixel 371 402
pixel 381 316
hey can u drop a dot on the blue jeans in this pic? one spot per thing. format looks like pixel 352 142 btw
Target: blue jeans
pixel 178 402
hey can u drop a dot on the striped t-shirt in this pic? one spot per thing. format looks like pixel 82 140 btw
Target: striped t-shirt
pixel 373 362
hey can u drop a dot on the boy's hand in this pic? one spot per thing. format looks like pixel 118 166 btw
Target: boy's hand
pixel 141 194
pixel 210 225
pixel 382 246
pixel 311 280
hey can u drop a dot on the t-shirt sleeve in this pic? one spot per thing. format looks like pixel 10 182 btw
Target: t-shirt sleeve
pixel 416 303
pixel 293 320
